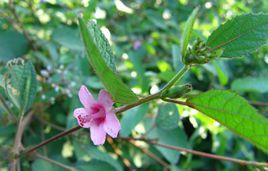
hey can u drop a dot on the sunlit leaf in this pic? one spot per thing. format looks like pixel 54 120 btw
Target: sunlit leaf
pixel 101 59
pixel 186 35
pixel 251 84
pixel 235 113
pixel 241 35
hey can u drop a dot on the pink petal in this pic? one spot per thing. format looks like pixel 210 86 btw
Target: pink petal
pixel 106 99
pixel 97 134
pixel 112 125
pixel 85 97
pixel 82 117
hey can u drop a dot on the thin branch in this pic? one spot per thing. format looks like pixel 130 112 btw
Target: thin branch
pixel 55 162
pixel 23 122
pixel 17 22
pixel 178 102
pixel 150 154
pixel 207 155
pixel 258 103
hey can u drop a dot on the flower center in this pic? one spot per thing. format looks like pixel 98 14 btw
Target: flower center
pixel 98 113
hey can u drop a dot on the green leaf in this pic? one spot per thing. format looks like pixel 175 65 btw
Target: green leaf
pixel 131 118
pixel 174 137
pixel 68 37
pixel 12 45
pixel 186 35
pixel 235 113
pixel 167 117
pixel 100 58
pixel 85 149
pixel 21 84
pixel 241 35
pixel 95 165
pixel 42 165
pixel 251 84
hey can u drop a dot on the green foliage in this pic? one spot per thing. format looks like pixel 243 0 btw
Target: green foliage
pixel 85 149
pixel 241 35
pixel 167 117
pixel 21 84
pixel 186 35
pixel 12 44
pixel 43 165
pixel 250 84
pixel 235 113
pixel 100 58
pixel 131 118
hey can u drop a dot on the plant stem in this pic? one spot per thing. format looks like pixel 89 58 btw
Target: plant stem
pixel 178 102
pixel 69 131
pixel 65 167
pixel 202 154
pixel 176 78
pixel 117 110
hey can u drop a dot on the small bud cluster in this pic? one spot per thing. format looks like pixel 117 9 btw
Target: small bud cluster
pixel 200 53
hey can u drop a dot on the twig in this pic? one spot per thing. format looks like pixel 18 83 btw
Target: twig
pixel 19 24
pixel 64 133
pixel 55 162
pixel 23 122
pixel 178 102
pixel 207 155
pixel 258 103
pixel 150 154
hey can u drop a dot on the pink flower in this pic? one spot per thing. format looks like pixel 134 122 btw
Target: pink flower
pixel 98 115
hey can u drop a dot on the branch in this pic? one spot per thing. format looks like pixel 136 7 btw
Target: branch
pixel 55 162
pixel 150 154
pixel 258 103
pixel 23 122
pixel 178 102
pixel 19 24
pixel 206 155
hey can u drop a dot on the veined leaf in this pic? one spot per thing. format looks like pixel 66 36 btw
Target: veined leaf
pixel 249 84
pixel 186 35
pixel 21 84
pixel 241 35
pixel 100 58
pixel 235 113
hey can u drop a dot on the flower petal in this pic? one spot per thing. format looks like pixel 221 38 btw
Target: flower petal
pixel 106 99
pixel 112 125
pixel 82 117
pixel 85 97
pixel 97 134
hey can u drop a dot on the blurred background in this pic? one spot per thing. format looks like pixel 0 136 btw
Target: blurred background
pixel 145 38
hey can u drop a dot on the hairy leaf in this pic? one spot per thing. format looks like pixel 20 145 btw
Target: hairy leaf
pixel 100 58
pixel 241 35
pixel 186 35
pixel 249 84
pixel 235 113
pixel 21 84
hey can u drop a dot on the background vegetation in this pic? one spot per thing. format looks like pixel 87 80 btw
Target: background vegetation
pixel 145 38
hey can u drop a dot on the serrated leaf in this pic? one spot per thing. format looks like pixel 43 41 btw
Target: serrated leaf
pixel 251 84
pixel 100 58
pixel 21 84
pixel 235 113
pixel 167 117
pixel 12 45
pixel 241 35
pixel 186 35
pixel 131 118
